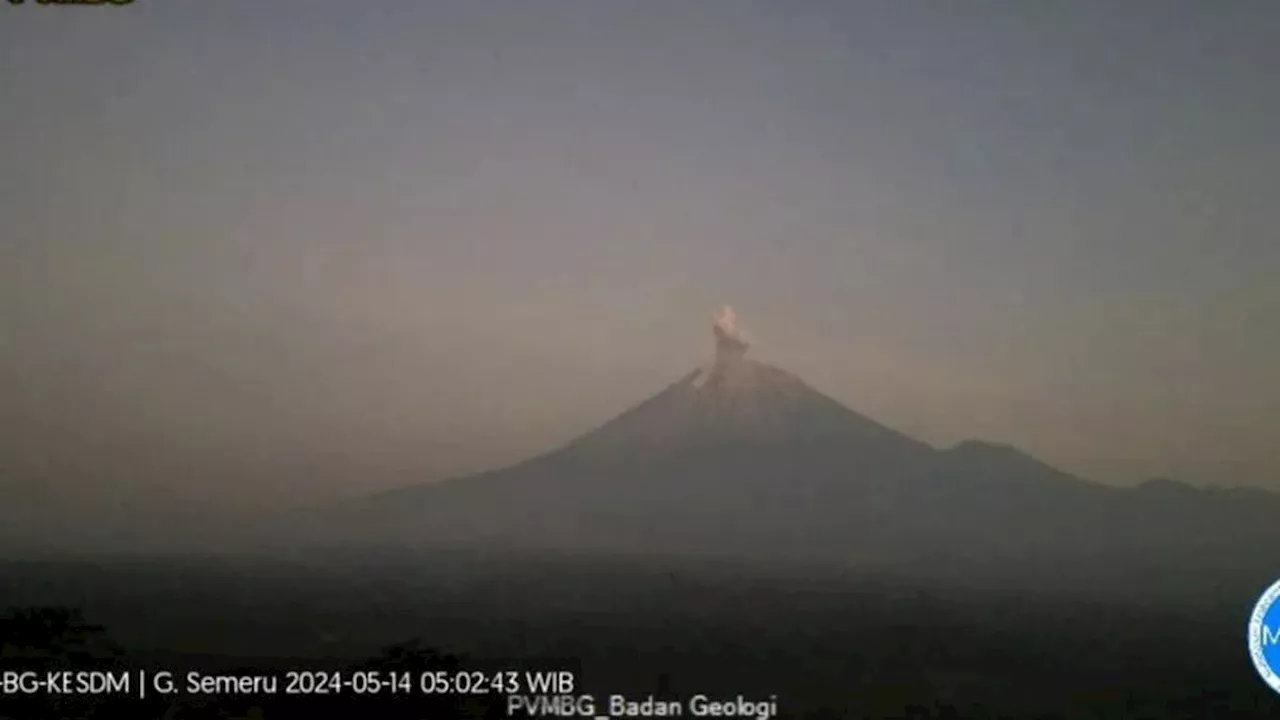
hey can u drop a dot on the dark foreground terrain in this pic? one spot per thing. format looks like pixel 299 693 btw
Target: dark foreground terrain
pixel 826 644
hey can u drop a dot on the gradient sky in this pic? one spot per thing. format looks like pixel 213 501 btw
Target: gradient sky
pixel 269 252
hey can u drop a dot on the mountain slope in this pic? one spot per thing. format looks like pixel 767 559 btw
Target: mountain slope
pixel 726 460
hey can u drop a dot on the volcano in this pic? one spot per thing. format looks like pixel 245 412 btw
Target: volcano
pixel 737 457
pixel 740 458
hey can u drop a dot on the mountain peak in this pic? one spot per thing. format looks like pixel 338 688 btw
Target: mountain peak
pixel 735 399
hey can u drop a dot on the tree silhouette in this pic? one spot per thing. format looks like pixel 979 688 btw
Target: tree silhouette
pixel 50 639
pixel 53 634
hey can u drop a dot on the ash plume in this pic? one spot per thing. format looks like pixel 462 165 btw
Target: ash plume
pixel 731 342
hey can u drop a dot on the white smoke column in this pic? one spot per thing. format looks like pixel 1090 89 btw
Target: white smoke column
pixel 731 342
pixel 727 322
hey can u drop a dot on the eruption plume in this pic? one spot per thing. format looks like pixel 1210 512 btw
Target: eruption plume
pixel 731 343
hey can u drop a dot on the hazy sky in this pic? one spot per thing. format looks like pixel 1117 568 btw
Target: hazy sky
pixel 294 248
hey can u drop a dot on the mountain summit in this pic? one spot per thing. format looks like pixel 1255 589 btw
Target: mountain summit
pixel 740 405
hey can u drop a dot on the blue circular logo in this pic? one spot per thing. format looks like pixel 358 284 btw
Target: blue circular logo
pixel 1264 636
